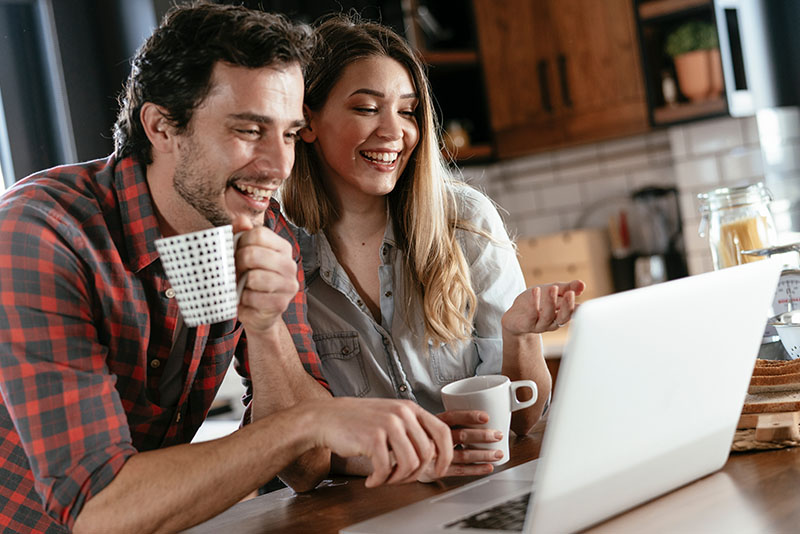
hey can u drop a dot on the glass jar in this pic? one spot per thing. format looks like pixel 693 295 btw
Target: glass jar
pixel 737 219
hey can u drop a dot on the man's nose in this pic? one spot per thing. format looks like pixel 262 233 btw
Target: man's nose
pixel 275 157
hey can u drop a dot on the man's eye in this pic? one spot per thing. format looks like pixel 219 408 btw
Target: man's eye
pixel 293 136
pixel 251 133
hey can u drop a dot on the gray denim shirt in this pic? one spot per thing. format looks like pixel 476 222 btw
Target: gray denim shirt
pixel 392 359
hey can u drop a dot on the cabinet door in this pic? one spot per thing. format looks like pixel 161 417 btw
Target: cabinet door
pixel 517 48
pixel 600 82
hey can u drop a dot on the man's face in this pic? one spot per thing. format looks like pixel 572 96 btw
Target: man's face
pixel 238 148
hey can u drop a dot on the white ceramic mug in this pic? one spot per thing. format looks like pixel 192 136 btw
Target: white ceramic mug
pixel 495 395
pixel 200 267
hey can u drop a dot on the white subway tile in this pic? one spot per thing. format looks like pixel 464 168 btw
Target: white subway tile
pixel 678 141
pixel 692 240
pixel 539 225
pixel 560 196
pixel 520 203
pixel 697 173
pixel 612 149
pixel 587 170
pixel 570 218
pixel 714 136
pixel 658 176
pixel 741 165
pixel 690 206
pixel 532 179
pixel 527 165
pixel 700 263
pixel 749 127
pixel 607 187
pixel 629 161
pixel 578 154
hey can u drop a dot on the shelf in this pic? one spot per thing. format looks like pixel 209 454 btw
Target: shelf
pixel 659 8
pixel 689 110
pixel 451 57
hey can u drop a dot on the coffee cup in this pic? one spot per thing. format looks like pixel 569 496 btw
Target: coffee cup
pixel 201 270
pixel 494 394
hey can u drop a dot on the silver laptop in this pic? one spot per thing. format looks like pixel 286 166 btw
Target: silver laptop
pixel 649 391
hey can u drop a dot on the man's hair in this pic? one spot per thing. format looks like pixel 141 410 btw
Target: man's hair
pixel 172 69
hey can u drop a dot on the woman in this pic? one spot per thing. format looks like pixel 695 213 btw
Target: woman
pixel 409 272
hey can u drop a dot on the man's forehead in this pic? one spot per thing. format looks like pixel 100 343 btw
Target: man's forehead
pixel 274 91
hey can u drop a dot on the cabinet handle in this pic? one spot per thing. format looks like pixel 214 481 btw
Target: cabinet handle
pixel 562 74
pixel 544 86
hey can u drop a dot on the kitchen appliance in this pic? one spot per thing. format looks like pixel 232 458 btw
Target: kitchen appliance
pixel 656 235
pixel 782 332
pixel 760 51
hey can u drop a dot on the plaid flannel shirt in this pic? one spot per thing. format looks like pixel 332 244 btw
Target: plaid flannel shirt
pixel 86 325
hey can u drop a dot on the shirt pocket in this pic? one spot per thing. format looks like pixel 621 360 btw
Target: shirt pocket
pixel 342 363
pixel 453 361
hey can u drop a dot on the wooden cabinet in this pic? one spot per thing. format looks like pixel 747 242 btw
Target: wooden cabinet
pixel 444 35
pixel 560 72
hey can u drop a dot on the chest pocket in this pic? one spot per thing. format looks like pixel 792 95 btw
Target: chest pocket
pixel 342 363
pixel 453 361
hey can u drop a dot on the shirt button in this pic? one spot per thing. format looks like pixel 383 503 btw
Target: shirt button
pixel 155 364
pixel 359 302
pixel 345 350
pixel 387 294
pixel 403 388
pixel 385 251
pixel 169 293
pixel 178 418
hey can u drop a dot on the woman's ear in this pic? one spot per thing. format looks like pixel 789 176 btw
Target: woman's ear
pixel 307 132
pixel 157 128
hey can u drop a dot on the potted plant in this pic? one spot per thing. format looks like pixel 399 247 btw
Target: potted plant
pixel 694 49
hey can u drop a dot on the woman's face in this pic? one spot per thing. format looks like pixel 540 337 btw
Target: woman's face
pixel 366 131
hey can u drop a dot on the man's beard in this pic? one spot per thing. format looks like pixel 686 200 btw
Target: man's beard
pixel 198 190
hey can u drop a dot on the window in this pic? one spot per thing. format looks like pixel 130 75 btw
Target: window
pixel 35 126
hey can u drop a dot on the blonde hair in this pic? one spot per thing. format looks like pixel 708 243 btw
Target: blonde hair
pixel 422 205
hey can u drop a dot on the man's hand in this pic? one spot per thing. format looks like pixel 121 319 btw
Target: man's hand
pixel 399 437
pixel 266 259
pixel 542 308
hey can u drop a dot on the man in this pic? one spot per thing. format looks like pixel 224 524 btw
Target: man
pixel 102 389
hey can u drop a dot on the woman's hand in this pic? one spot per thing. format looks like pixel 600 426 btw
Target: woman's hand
pixel 542 308
pixel 467 461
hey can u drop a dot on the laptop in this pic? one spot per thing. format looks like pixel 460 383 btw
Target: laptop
pixel 649 392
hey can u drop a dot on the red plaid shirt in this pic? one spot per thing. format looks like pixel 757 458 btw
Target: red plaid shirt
pixel 85 329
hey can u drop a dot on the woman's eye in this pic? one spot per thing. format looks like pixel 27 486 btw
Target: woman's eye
pixel 366 110
pixel 411 114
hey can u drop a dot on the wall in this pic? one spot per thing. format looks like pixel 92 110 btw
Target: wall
pixel 580 187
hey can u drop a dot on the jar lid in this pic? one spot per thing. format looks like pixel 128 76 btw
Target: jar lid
pixel 732 197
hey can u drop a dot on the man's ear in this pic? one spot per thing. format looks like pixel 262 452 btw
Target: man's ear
pixel 307 133
pixel 157 128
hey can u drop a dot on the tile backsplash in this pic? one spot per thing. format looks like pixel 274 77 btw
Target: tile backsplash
pixel 580 187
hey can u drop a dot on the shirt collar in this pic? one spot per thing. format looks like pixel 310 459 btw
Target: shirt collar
pixel 139 222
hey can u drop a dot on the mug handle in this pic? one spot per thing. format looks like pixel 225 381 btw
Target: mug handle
pixel 517 404
pixel 243 279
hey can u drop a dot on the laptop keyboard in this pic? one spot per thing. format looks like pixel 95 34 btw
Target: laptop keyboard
pixel 508 515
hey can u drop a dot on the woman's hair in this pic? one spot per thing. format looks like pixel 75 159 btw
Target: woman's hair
pixel 173 67
pixel 422 205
